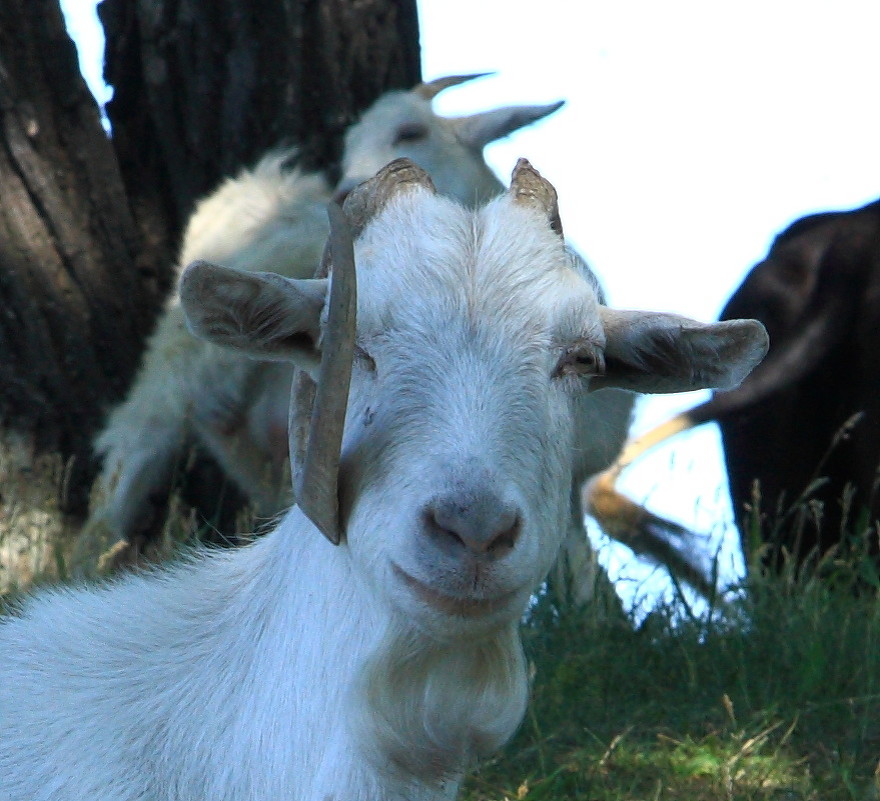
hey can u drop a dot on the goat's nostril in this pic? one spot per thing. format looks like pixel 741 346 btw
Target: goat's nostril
pixel 482 529
pixel 505 539
pixel 441 530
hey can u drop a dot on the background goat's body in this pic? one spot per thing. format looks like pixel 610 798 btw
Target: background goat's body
pixel 271 217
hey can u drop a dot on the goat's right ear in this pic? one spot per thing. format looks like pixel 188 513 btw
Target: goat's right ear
pixel 265 315
pixel 477 130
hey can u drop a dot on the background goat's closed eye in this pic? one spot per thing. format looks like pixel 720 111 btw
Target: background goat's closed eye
pixel 382 667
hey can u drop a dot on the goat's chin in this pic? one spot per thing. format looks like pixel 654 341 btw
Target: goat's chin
pixel 428 710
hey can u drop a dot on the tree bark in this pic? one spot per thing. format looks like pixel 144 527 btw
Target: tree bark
pixel 204 87
pixel 78 292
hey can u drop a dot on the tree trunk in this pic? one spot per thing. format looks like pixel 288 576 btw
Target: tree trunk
pixel 204 87
pixel 89 225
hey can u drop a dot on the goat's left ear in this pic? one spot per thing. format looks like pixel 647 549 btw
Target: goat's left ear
pixel 661 353
pixel 265 315
pixel 477 130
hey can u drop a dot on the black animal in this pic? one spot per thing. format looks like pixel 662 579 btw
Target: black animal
pixel 801 435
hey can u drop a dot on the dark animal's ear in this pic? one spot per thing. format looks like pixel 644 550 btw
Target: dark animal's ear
pixel 661 353
pixel 265 315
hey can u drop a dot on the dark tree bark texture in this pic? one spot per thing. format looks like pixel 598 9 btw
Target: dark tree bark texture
pixel 89 225
pixel 204 86
pixel 78 293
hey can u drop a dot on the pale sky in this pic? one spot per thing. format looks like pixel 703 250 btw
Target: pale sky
pixel 693 132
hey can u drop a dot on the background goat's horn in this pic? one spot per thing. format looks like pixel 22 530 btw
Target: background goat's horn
pixel 431 89
pixel 529 187
pixel 369 198
pixel 316 483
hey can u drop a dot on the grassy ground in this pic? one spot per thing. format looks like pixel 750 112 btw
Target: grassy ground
pixel 779 701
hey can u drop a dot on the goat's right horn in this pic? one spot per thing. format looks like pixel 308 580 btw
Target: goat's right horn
pixel 430 89
pixel 529 187
pixel 369 198
pixel 316 477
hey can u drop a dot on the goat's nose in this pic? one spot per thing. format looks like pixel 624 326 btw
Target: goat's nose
pixel 484 525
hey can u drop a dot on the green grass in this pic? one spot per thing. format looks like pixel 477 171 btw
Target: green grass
pixel 781 702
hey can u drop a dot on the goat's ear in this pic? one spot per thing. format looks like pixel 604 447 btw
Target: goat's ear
pixel 653 352
pixel 477 130
pixel 265 315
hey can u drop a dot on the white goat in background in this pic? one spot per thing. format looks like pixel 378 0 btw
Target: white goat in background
pixel 462 383
pixel 271 217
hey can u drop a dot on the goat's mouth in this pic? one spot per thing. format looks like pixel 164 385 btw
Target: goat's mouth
pixel 454 605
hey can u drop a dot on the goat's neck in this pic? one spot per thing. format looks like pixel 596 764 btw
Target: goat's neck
pixel 410 710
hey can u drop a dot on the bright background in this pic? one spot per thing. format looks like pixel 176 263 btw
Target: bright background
pixel 693 132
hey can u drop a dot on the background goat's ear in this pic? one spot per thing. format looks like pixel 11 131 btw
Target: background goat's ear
pixel 652 352
pixel 265 315
pixel 477 130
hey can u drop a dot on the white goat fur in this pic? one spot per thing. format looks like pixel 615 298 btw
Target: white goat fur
pixel 268 218
pixel 293 669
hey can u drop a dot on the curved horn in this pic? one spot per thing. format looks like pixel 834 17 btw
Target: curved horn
pixel 528 187
pixel 315 455
pixel 430 89
pixel 366 200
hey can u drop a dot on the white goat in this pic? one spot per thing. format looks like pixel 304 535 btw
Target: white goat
pixel 471 362
pixel 402 124
pixel 271 217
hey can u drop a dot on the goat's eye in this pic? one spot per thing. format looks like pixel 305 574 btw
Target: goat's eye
pixel 581 360
pixel 364 359
pixel 410 132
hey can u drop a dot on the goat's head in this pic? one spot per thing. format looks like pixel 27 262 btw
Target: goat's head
pixel 477 338
pixel 402 124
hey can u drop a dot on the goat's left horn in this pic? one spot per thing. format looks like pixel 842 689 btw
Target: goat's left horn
pixel 430 89
pixel 366 200
pixel 316 485
pixel 529 187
